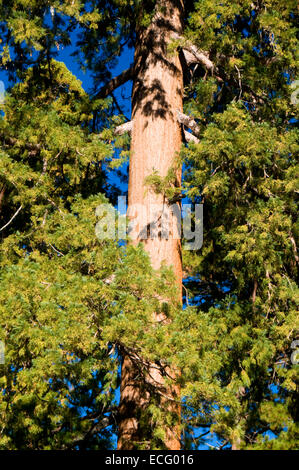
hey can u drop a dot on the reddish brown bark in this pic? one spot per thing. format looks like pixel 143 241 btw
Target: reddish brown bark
pixel 156 141
pixel 2 191
pixel 236 444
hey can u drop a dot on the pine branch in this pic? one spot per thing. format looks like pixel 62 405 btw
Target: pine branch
pixel 12 142
pixel 123 128
pixel 193 55
pixel 116 82
pixel 118 106
pixel 10 221
pixel 294 246
pixel 188 122
pixel 189 137
pixel 94 429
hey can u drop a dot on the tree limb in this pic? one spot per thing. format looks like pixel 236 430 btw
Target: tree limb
pixel 193 55
pixel 10 221
pixel 294 248
pixel 255 285
pixel 123 128
pixel 57 251
pixel 94 429
pixel 190 137
pixel 12 142
pixel 118 106
pixel 188 122
pixel 115 83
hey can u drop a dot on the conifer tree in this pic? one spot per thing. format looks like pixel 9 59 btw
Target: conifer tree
pixel 212 79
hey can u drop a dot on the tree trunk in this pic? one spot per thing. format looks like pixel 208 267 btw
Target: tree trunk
pixel 236 444
pixel 2 192
pixel 156 141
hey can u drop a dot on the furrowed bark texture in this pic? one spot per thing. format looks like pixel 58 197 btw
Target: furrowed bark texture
pixel 156 141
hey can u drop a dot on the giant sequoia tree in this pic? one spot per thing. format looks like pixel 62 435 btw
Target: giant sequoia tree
pixel 211 94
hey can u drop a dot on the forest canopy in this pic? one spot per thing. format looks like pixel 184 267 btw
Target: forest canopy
pixel 208 336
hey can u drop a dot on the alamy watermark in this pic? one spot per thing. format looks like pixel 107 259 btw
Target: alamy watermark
pixel 161 221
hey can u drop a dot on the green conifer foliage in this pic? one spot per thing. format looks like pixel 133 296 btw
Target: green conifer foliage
pixel 244 170
pixel 71 304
